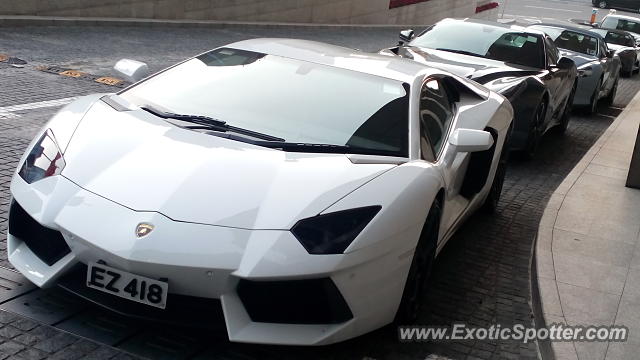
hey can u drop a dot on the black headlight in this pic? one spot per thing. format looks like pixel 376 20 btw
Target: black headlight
pixel 44 160
pixel 332 233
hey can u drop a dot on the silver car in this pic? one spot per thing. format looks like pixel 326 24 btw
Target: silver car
pixel 598 66
pixel 624 45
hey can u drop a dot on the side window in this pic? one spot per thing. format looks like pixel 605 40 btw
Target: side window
pixel 553 54
pixel 436 115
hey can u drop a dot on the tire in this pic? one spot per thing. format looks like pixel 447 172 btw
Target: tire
pixel 611 97
pixel 593 108
pixel 535 132
pixel 423 258
pixel 566 114
pixel 603 4
pixel 493 199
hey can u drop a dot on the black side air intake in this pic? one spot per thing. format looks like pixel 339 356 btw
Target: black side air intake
pixel 47 244
pixel 316 301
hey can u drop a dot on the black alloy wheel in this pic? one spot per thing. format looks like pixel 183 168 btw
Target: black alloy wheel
pixel 423 258
pixel 535 132
pixel 566 114
pixel 491 203
pixel 593 107
pixel 612 94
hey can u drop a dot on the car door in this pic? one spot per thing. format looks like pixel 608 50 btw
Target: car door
pixel 437 114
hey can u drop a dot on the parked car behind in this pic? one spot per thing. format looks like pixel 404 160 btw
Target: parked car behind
pixel 624 45
pixel 598 66
pixel 629 24
pixel 633 5
pixel 523 65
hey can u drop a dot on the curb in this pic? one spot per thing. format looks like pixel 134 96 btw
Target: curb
pixel 19 20
pixel 545 350
pixel 543 266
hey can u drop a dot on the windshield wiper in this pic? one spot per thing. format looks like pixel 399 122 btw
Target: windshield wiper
pixel 196 119
pixel 209 123
pixel 324 148
pixel 460 52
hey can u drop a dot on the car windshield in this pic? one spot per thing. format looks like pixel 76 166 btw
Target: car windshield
pixel 300 102
pixel 571 40
pixel 486 41
pixel 611 22
pixel 615 38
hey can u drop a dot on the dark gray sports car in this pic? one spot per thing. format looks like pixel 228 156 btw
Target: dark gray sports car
pixel 523 65
pixel 633 5
pixel 624 44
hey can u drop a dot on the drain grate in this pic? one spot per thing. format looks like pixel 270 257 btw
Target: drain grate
pixel 101 326
pixel 45 306
pixel 13 284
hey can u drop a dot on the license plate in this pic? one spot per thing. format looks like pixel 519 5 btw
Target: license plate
pixel 128 286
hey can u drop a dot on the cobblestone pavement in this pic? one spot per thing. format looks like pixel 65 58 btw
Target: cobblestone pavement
pixel 481 278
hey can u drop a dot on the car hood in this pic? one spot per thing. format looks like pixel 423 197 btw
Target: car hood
pixel 472 67
pixel 578 58
pixel 144 163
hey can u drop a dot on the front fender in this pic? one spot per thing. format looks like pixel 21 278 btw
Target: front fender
pixel 525 101
pixel 64 123
pixel 405 194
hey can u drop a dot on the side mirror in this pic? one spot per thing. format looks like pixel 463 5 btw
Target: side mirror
pixel 406 36
pixel 469 140
pixel 611 54
pixel 565 63
pixel 134 70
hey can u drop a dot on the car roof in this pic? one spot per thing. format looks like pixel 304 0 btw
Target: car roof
pixel 390 67
pixel 495 25
pixel 572 28
pixel 626 17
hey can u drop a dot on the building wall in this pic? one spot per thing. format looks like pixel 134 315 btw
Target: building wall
pixel 298 11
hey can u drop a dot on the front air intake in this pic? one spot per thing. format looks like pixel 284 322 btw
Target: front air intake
pixel 47 244
pixel 315 301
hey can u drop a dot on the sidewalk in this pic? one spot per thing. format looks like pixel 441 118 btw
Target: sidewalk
pixel 587 264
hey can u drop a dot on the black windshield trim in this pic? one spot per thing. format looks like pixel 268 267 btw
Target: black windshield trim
pixel 308 147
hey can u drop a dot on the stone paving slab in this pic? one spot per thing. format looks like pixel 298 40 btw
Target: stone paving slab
pixel 587 250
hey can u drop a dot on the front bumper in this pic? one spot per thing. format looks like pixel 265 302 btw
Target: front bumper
pixel 209 262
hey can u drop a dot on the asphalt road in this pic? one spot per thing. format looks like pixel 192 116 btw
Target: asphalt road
pixel 530 11
pixel 481 277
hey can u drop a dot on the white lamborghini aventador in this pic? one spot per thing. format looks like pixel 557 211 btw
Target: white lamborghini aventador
pixel 299 190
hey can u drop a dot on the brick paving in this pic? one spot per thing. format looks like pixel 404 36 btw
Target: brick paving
pixel 481 278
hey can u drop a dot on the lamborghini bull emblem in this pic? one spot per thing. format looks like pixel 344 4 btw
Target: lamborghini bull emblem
pixel 143 229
